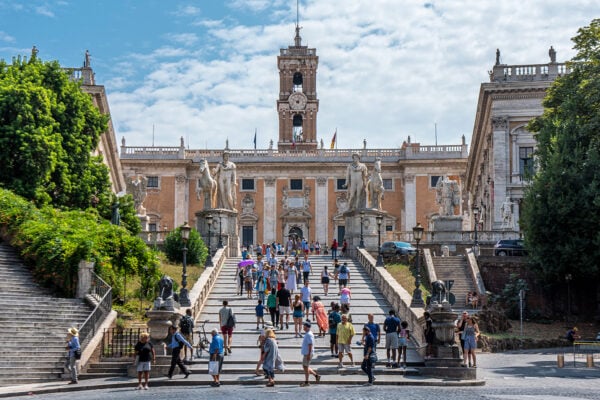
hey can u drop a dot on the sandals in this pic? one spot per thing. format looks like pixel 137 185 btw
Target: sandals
pixel 318 378
pixel 270 384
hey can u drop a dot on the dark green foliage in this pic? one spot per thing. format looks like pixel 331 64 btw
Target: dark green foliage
pixel 48 131
pixel 561 213
pixel 197 250
pixel 55 241
pixel 508 300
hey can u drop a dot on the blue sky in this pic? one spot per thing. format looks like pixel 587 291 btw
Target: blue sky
pixel 206 70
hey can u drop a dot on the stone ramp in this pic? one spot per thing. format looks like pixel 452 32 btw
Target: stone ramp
pixel 366 298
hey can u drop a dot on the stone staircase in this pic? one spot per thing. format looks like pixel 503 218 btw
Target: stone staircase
pixel 455 268
pixel 366 298
pixel 33 324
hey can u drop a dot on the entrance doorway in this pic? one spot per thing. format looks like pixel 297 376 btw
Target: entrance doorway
pixel 341 233
pixel 247 236
pixel 296 233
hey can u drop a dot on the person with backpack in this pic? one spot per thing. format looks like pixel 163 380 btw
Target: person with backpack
pixel 343 276
pixel 334 318
pixel 177 342
pixel 227 323
pixel 186 327
pixel 573 335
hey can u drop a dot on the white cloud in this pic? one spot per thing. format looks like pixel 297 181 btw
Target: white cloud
pixel 183 38
pixel 387 69
pixel 187 11
pixel 43 10
pixel 5 37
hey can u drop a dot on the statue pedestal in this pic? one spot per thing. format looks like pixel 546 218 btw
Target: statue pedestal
pixel 159 323
pixel 369 228
pixel 447 228
pixel 224 222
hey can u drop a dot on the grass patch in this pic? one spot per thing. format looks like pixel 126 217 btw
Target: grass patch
pixel 403 274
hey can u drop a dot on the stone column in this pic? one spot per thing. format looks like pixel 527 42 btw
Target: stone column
pixel 269 217
pixel 501 167
pixel 320 224
pixel 410 202
pixel 180 212
pixel 84 278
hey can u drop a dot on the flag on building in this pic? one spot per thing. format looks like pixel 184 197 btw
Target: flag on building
pixel 254 138
pixel 333 139
pixel 293 140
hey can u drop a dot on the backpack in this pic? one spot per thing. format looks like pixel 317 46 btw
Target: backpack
pixel 186 324
pixel 343 269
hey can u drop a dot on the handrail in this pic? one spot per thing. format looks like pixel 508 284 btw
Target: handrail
pixel 102 291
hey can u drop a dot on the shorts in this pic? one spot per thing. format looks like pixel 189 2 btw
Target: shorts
pixel 297 314
pixel 401 342
pixel 470 343
pixel 143 366
pixel 219 358
pixel 284 310
pixel 344 348
pixel 306 305
pixel 333 338
pixel 343 282
pixel 248 285
pixel 325 279
pixel 225 330
pixel 391 340
pixel 306 361
pixel 188 337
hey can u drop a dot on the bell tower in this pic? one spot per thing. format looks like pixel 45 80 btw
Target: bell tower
pixel 297 105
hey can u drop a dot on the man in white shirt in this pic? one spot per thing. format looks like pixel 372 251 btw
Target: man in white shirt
pixel 307 350
pixel 306 293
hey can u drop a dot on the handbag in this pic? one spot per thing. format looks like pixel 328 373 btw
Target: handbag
pixel 77 354
pixel 230 320
pixel 213 368
pixel 373 357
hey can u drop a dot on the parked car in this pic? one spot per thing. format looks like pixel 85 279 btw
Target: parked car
pixel 396 249
pixel 510 247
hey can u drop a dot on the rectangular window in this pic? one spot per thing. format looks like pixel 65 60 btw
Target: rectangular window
pixel 339 184
pixel 388 184
pixel 152 181
pixel 433 180
pixel 152 227
pixel 389 228
pixel 526 163
pixel 295 184
pixel 248 184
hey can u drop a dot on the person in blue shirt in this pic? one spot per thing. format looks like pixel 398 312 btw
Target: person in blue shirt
pixel 369 347
pixel 391 326
pixel 177 343
pixel 373 328
pixel 216 352
pixel 73 345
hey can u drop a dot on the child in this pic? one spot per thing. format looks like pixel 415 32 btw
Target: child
pixel 260 314
pixel 403 337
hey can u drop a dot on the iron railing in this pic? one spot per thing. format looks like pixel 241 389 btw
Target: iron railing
pixel 102 293
pixel 120 343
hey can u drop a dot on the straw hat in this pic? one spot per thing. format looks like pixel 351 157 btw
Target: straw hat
pixel 73 331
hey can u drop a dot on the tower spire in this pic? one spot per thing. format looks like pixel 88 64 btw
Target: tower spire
pixel 297 39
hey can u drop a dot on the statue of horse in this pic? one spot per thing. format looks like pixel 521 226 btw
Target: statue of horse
pixel 375 186
pixel 207 185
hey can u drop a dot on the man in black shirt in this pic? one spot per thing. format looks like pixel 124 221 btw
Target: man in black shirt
pixel 283 306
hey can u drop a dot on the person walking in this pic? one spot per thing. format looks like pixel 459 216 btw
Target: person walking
pixel 216 353
pixel 306 268
pixel 284 299
pixel 291 280
pixel 272 306
pixel 306 293
pixel 307 350
pixel 429 334
pixel 403 338
pixel 344 248
pixel 334 248
pixel 391 327
pixel 345 332
pixel 334 318
pixel 320 315
pixel 270 356
pixel 74 347
pixel 145 355
pixel 186 327
pixel 373 329
pixel 325 276
pixel 177 342
pixel 336 270
pixel 227 324
pixel 460 328
pixel 471 335
pixel 343 277
pixel 368 351
pixel 259 310
pixel 297 314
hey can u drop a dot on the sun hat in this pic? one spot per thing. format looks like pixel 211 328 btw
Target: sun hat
pixel 73 331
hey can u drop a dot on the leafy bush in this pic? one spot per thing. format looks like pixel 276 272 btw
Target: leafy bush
pixel 197 250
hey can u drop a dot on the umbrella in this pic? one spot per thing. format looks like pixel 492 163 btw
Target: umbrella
pixel 245 263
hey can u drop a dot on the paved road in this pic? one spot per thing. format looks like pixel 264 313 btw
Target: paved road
pixel 529 375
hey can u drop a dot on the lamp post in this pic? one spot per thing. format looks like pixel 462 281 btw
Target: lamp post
pixel 476 217
pixel 362 242
pixel 379 262
pixel 184 299
pixel 417 299
pixel 209 262
pixel 220 244
pixel 568 278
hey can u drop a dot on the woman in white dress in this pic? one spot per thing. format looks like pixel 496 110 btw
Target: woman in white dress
pixel 290 283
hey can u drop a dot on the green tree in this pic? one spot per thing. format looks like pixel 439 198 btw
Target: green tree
pixel 561 212
pixel 197 250
pixel 48 131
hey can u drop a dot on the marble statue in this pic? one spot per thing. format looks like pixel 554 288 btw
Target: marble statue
pixel 507 214
pixel 207 185
pixel 136 186
pixel 375 186
pixel 447 196
pixel 225 174
pixel 356 183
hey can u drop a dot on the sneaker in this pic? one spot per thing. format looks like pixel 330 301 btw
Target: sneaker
pixel 139 387
pixel 146 387
pixel 187 373
pixel 304 384
pixel 287 326
pixel 395 365
pixel 318 378
pixel 388 365
pixel 474 365
pixel 340 365
pixel 368 384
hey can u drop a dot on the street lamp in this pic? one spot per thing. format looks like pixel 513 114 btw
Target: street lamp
pixel 417 299
pixel 362 242
pixel 476 216
pixel 379 220
pixel 184 299
pixel 209 262
pixel 568 278
pixel 220 244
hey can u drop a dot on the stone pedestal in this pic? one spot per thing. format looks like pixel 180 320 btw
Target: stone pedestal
pixel 225 221
pixel 447 230
pixel 159 323
pixel 369 228
pixel 84 278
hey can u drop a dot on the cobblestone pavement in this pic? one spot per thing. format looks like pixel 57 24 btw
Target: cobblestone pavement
pixel 528 375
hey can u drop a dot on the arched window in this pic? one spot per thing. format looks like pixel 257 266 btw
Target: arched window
pixel 297 82
pixel 297 132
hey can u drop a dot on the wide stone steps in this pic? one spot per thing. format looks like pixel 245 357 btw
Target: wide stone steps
pixel 455 268
pixel 33 324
